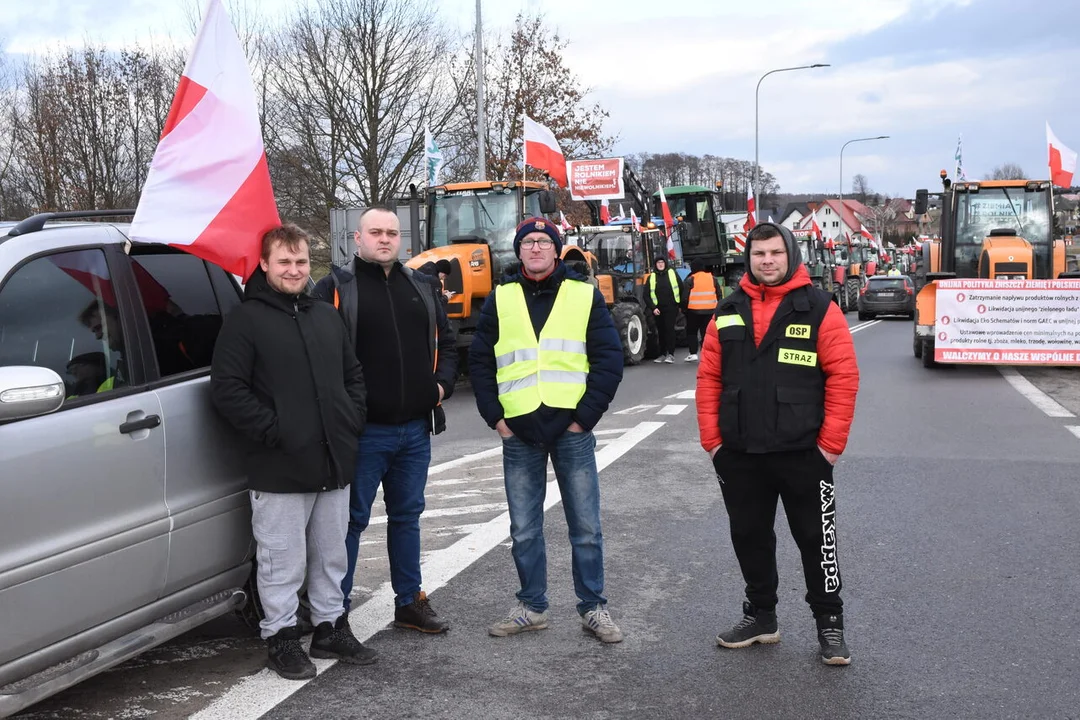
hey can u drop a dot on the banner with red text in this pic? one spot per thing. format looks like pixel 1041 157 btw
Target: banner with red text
pixel 595 179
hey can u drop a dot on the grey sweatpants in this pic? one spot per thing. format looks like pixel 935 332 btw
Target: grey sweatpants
pixel 298 532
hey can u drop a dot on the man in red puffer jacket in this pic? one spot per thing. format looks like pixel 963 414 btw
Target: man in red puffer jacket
pixel 775 399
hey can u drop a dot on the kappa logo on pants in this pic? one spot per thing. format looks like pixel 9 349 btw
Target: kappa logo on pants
pixel 828 543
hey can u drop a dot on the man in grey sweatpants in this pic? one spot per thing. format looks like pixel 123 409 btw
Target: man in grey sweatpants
pixel 286 377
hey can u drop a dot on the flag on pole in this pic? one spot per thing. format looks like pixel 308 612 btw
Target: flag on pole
pixel 542 151
pixel 751 212
pixel 622 212
pixel 605 213
pixel 814 225
pixel 1062 160
pixel 433 159
pixel 564 224
pixel 208 189
pixel 866 233
pixel 669 223
pixel 959 164
pixel 633 218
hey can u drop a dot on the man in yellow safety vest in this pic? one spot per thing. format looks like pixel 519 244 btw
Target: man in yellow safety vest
pixel 545 363
pixel 663 297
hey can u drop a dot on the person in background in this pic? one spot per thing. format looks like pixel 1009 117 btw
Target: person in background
pixel 699 304
pixel 662 298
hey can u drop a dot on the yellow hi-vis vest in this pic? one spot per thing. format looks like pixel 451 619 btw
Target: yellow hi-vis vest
pixel 702 292
pixel 672 278
pixel 552 369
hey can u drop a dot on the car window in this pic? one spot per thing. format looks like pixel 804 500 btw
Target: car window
pixel 181 307
pixel 60 312
pixel 893 283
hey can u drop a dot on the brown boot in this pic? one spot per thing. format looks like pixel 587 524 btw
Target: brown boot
pixel 419 615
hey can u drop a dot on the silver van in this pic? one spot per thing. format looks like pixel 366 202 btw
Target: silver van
pixel 124 518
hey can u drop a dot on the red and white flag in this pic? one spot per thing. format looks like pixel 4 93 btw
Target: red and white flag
pixel 866 233
pixel 564 224
pixel 605 213
pixel 1062 160
pixel 542 151
pixel 633 219
pixel 669 223
pixel 751 211
pixel 622 212
pixel 814 225
pixel 208 190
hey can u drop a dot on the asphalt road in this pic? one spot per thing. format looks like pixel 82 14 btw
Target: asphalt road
pixel 957 502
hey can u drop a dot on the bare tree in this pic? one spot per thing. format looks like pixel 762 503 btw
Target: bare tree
pixel 1007 171
pixel 860 188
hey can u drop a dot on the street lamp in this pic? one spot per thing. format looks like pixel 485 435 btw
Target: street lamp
pixel 757 171
pixel 865 139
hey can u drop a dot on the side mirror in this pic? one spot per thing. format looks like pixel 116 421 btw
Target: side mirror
pixel 921 202
pixel 27 391
pixel 547 202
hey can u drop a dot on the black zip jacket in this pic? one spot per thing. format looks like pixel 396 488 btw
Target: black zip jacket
pixel 393 321
pixel 285 375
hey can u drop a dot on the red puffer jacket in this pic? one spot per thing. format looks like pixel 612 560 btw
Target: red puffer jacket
pixel 836 354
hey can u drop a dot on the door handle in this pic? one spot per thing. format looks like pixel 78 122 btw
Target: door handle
pixel 150 421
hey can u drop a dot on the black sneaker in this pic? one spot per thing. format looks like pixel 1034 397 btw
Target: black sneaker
pixel 336 641
pixel 287 657
pixel 830 635
pixel 419 615
pixel 757 626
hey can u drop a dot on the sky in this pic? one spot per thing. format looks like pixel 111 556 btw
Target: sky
pixel 681 77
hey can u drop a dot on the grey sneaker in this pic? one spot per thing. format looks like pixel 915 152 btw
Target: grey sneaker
pixel 669 358
pixel 660 359
pixel 757 626
pixel 598 621
pixel 520 619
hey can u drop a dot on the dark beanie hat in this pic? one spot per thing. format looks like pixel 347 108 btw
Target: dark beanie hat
pixel 537 224
pixel 444 266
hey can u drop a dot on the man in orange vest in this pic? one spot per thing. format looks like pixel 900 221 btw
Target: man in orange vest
pixel 699 304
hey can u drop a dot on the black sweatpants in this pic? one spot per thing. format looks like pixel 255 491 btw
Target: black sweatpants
pixel 665 328
pixel 803 479
pixel 696 325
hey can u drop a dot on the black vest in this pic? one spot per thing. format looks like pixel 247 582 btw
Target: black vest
pixel 773 396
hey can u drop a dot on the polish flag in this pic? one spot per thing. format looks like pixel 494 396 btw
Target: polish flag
pixel 1062 160
pixel 542 151
pixel 564 224
pixel 605 213
pixel 622 212
pixel 633 219
pixel 669 223
pixel 866 233
pixel 208 190
pixel 751 211
pixel 814 225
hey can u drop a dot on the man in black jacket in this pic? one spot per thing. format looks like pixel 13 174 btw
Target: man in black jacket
pixel 286 377
pixel 408 352
pixel 663 296
pixel 543 385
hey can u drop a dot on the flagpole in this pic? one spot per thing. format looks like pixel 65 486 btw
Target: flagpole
pixel 481 122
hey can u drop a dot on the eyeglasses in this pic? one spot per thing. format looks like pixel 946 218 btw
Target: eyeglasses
pixel 542 244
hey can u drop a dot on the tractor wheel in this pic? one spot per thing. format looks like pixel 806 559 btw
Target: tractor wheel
pixel 916 346
pixel 633 332
pixel 928 354
pixel 851 289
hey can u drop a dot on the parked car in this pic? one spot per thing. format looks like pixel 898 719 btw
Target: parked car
pixel 887 295
pixel 124 516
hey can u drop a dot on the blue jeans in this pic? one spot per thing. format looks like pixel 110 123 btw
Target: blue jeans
pixel 397 456
pixel 525 478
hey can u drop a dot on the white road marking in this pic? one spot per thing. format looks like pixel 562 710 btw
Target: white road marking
pixel 671 410
pixel 465 460
pixel 1074 429
pixel 1037 397
pixel 447 512
pixel 635 410
pixel 684 395
pixel 863 326
pixel 258 694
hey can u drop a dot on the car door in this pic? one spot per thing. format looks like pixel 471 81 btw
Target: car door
pixel 83 523
pixel 184 300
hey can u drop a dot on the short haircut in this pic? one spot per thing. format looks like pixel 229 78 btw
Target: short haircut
pixel 94 306
pixel 290 235
pixel 762 232
pixel 374 208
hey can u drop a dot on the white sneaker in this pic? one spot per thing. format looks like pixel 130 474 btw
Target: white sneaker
pixel 660 359
pixel 520 619
pixel 691 357
pixel 669 358
pixel 598 621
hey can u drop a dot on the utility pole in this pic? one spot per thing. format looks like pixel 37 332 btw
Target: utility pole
pixel 481 124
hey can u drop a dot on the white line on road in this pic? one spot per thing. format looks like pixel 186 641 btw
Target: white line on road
pixel 635 410
pixel 447 512
pixel 258 694
pixel 684 395
pixel 671 410
pixel 1037 397
pixel 863 326
pixel 1074 429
